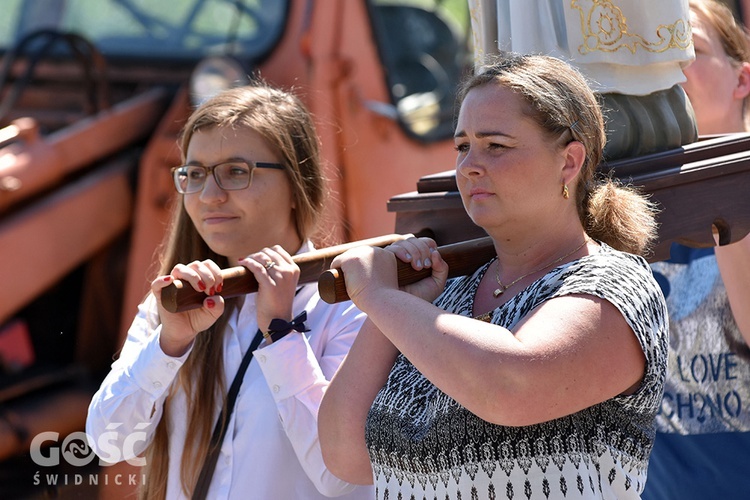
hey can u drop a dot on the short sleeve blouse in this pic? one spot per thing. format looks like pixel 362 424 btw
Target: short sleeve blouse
pixel 423 444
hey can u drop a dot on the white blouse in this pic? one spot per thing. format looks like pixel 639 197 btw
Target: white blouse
pixel 272 449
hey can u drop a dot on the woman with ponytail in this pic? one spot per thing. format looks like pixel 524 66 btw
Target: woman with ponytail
pixel 539 376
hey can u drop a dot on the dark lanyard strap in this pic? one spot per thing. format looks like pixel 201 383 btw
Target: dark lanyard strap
pixel 220 430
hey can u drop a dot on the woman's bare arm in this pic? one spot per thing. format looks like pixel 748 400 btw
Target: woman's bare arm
pixel 570 353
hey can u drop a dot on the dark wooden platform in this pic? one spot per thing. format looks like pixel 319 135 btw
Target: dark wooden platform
pixel 695 186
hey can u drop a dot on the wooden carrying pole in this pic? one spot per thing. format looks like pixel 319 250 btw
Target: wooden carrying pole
pixel 462 258
pixel 179 297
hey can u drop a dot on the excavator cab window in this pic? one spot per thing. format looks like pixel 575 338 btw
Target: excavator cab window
pixel 144 29
pixel 424 47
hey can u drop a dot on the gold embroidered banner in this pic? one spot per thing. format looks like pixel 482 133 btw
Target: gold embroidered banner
pixel 628 46
pixel 630 32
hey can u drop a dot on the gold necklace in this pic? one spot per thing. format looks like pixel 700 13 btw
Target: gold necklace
pixel 502 288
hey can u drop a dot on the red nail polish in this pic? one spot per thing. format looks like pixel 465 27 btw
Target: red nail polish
pixel 212 291
pixel 210 303
pixel 201 285
pixel 167 278
pixel 219 287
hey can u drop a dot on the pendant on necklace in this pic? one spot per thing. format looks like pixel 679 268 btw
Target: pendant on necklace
pixel 498 292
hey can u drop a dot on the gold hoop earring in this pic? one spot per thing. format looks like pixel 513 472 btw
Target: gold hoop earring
pixel 565 192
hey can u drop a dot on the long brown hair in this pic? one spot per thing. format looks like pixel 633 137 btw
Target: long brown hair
pixel 560 100
pixel 284 122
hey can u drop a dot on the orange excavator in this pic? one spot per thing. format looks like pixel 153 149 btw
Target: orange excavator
pixel 92 98
pixel 93 94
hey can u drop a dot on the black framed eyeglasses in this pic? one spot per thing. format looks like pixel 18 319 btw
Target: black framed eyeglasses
pixel 230 175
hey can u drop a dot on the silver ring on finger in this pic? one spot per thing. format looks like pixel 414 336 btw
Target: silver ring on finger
pixel 269 265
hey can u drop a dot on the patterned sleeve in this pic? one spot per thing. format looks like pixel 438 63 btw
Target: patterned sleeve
pixel 627 282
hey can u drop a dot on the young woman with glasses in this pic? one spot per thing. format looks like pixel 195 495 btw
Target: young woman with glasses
pixel 250 193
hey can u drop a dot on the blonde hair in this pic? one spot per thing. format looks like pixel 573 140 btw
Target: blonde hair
pixel 286 125
pixel 733 35
pixel 560 100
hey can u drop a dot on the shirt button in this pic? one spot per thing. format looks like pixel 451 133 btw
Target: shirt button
pixel 157 384
pixel 227 460
pixel 276 388
pixel 262 358
pixel 170 365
